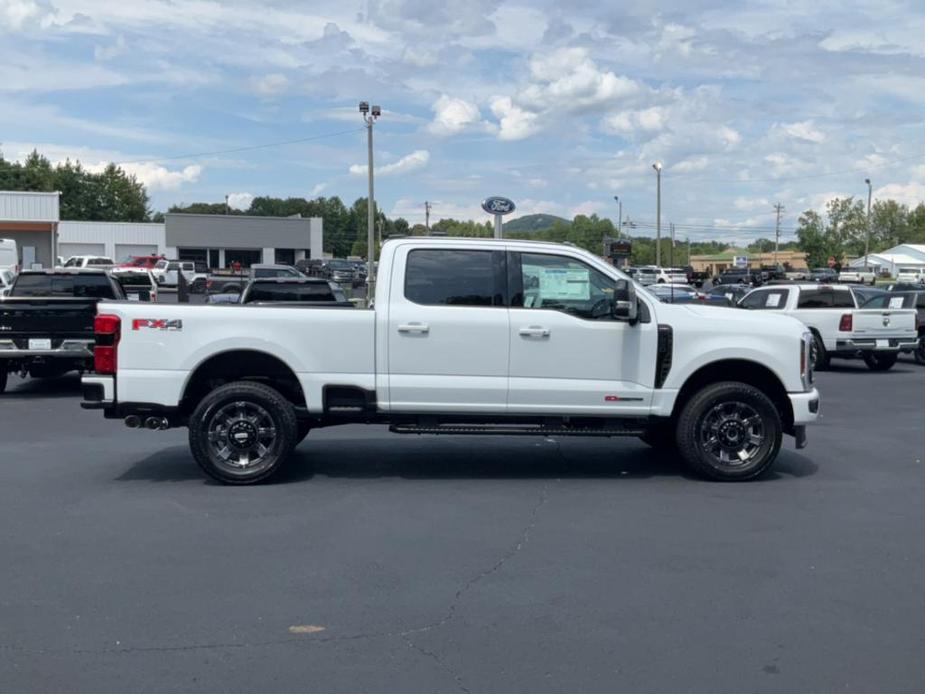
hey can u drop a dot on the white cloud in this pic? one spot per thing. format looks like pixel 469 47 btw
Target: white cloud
pixel 157 177
pixel 272 84
pixel 317 190
pixel 748 204
pixel 910 194
pixel 568 79
pixel 514 122
pixel 411 162
pixel 627 123
pixel 690 165
pixel 452 116
pixel 15 14
pixel 240 201
pixel 804 130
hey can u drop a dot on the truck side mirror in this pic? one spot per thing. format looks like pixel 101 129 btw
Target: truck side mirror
pixel 624 301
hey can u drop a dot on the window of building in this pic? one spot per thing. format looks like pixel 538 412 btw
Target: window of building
pixel 200 255
pixel 213 258
pixel 246 257
pixel 454 277
pixel 284 256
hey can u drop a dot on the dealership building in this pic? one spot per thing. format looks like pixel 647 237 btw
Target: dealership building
pixel 33 221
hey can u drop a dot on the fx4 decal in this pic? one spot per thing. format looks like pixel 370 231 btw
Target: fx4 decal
pixel 157 324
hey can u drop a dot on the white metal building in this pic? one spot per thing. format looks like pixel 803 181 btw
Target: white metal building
pixel 30 219
pixel 906 256
pixel 116 240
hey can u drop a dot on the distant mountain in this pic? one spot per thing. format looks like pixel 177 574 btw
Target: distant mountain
pixel 533 222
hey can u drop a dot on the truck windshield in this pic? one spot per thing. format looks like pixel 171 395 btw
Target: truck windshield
pixel 91 286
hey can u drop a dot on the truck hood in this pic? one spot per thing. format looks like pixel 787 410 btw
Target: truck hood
pixel 740 320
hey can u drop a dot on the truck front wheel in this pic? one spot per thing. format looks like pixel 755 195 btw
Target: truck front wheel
pixel 729 432
pixel 242 432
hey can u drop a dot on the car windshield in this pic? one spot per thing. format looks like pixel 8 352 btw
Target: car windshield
pixel 161 264
pixel 340 265
pixel 133 279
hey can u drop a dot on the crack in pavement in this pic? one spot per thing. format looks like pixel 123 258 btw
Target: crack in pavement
pixel 404 634
pixel 437 659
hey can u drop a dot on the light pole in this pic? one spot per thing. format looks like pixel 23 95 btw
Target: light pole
pixel 620 217
pixel 369 117
pixel 658 213
pixel 870 192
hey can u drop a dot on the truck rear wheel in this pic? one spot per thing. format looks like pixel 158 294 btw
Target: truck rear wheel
pixel 729 432
pixel 242 432
pixel 919 352
pixel 3 377
pixel 879 361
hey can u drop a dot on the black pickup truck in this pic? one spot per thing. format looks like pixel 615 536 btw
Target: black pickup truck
pixel 46 321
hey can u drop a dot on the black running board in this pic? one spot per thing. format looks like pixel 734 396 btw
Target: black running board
pixel 632 429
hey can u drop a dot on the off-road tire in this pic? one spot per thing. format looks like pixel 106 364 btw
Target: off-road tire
pixel 275 409
pixel 693 431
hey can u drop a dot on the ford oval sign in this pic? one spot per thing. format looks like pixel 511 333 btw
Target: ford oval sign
pixel 498 205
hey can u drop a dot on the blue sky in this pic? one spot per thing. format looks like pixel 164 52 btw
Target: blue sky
pixel 557 105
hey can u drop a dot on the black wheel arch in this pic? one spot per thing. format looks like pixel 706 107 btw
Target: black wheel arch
pixel 241 365
pixel 744 371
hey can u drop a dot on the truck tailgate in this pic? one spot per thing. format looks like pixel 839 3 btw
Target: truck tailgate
pixel 39 317
pixel 884 322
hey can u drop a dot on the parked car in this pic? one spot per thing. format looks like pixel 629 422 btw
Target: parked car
pixel 341 271
pixel 674 293
pixel 167 274
pixel 79 262
pixel 310 267
pixel 695 277
pixel 645 275
pixel 855 275
pixel 911 276
pixel 903 287
pixel 235 283
pixel 730 293
pixel 913 300
pixel 6 281
pixel 305 291
pixel 839 327
pixel 137 283
pixel 742 276
pixel 46 321
pixel 145 262
pixel 825 275
pixel 455 347
pixel 9 255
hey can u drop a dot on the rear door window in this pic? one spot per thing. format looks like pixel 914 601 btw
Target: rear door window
pixel 815 298
pixel 445 277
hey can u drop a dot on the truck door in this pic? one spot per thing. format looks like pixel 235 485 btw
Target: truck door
pixel 448 330
pixel 568 355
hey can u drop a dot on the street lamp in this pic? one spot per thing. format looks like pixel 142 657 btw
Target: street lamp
pixel 369 116
pixel 620 217
pixel 658 213
pixel 870 192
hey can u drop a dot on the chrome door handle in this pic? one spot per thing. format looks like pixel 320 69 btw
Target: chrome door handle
pixel 534 331
pixel 414 328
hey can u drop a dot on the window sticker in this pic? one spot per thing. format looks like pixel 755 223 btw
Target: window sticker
pixel 773 301
pixel 896 302
pixel 558 284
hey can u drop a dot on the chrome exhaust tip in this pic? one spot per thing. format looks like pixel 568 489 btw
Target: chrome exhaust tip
pixel 133 421
pixel 156 423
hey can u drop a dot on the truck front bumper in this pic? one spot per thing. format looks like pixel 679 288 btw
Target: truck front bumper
pixel 99 392
pixel 805 408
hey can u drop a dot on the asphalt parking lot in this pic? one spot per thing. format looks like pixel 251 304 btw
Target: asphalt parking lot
pixel 380 563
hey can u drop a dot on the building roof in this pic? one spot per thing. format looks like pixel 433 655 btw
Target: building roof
pixel 887 259
pixel 28 206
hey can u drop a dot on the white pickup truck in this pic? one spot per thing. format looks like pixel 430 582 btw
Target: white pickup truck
pixel 858 275
pixel 838 326
pixel 467 336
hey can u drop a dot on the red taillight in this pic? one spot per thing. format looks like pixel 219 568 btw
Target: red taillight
pixel 846 324
pixel 106 351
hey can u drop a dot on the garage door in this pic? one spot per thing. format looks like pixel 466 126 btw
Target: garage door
pixel 66 250
pixel 124 250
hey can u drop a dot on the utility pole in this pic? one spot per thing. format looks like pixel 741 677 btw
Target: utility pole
pixel 870 192
pixel 369 117
pixel 227 209
pixel 427 207
pixel 658 213
pixel 620 215
pixel 779 208
pixel 671 248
